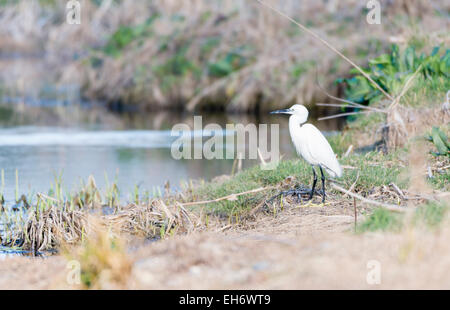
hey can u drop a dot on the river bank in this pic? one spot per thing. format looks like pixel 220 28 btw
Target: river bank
pixel 241 229
pixel 242 219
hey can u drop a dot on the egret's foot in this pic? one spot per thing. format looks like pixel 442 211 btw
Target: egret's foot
pixel 321 193
pixel 316 192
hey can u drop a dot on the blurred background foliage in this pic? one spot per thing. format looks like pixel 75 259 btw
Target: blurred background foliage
pixel 231 55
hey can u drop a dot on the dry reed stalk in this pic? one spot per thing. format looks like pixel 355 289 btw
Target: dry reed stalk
pixel 369 201
pixel 46 229
pixel 231 197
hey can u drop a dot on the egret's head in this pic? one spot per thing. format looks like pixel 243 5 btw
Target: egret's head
pixel 297 109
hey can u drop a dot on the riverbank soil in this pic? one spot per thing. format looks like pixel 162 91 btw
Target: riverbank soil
pixel 300 248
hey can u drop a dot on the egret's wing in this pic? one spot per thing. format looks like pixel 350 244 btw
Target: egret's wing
pixel 320 150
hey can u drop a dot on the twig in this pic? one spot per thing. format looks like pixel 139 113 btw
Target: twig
pixel 47 197
pixel 348 167
pixel 404 89
pixel 349 150
pixel 353 185
pixel 224 228
pixel 341 105
pixel 348 102
pixel 327 45
pixel 442 169
pixel 263 162
pixel 376 203
pixel 398 191
pixel 429 172
pixel 342 115
pixel 229 197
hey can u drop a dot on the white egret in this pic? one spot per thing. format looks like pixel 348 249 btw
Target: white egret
pixel 311 145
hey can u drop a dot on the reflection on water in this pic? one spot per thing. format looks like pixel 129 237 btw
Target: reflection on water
pixel 133 148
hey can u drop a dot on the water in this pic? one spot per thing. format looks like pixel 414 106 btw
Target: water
pixel 43 142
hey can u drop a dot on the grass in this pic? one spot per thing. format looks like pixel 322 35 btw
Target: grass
pixel 370 167
pixel 430 215
pixel 102 259
pixel 431 91
pixel 419 109
pixel 381 220
pixel 441 180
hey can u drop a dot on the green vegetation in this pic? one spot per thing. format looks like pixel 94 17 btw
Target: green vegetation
pixel 427 92
pixel 431 215
pixel 381 219
pixel 125 35
pixel 440 140
pixel 391 71
pixel 229 63
pixel 370 169
pixel 102 259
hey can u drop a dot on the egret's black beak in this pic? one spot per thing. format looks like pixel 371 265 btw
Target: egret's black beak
pixel 283 111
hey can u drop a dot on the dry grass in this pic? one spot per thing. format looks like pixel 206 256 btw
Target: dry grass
pixel 302 256
pixel 102 257
pixel 281 63
pixel 154 220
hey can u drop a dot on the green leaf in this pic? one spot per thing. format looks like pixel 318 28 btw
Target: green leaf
pixel 409 57
pixel 435 51
pixel 395 57
pixel 220 68
pixel 437 140
pixel 445 63
pixel 228 64
pixel 444 138
pixel 383 59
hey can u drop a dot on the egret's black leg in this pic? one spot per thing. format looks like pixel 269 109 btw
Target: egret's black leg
pixel 314 184
pixel 323 184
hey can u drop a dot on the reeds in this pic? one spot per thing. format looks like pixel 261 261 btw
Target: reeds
pixel 63 218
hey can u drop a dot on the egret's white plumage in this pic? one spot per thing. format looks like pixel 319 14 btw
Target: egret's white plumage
pixel 311 144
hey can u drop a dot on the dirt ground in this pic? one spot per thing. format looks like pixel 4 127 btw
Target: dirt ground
pixel 300 248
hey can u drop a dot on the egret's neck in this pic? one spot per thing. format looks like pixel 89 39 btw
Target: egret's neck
pixel 295 122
